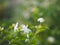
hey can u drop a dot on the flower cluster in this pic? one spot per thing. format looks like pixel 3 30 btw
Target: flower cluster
pixel 25 28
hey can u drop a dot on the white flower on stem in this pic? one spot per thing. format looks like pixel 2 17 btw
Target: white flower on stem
pixel 51 39
pixel 16 27
pixel 40 20
pixel 25 29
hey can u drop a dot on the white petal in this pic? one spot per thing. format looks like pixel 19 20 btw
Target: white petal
pixel 25 29
pixel 41 20
pixel 51 39
pixel 16 27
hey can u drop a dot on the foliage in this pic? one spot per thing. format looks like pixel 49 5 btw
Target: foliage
pixel 30 22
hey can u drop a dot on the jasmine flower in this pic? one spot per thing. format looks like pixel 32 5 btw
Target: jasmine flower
pixel 51 39
pixel 40 20
pixel 16 27
pixel 25 29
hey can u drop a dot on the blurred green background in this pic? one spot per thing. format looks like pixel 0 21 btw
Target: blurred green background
pixel 27 12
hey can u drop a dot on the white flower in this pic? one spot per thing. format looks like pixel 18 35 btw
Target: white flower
pixel 16 27
pixel 51 39
pixel 41 20
pixel 25 29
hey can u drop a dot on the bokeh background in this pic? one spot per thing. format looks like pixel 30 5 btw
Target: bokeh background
pixel 27 12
